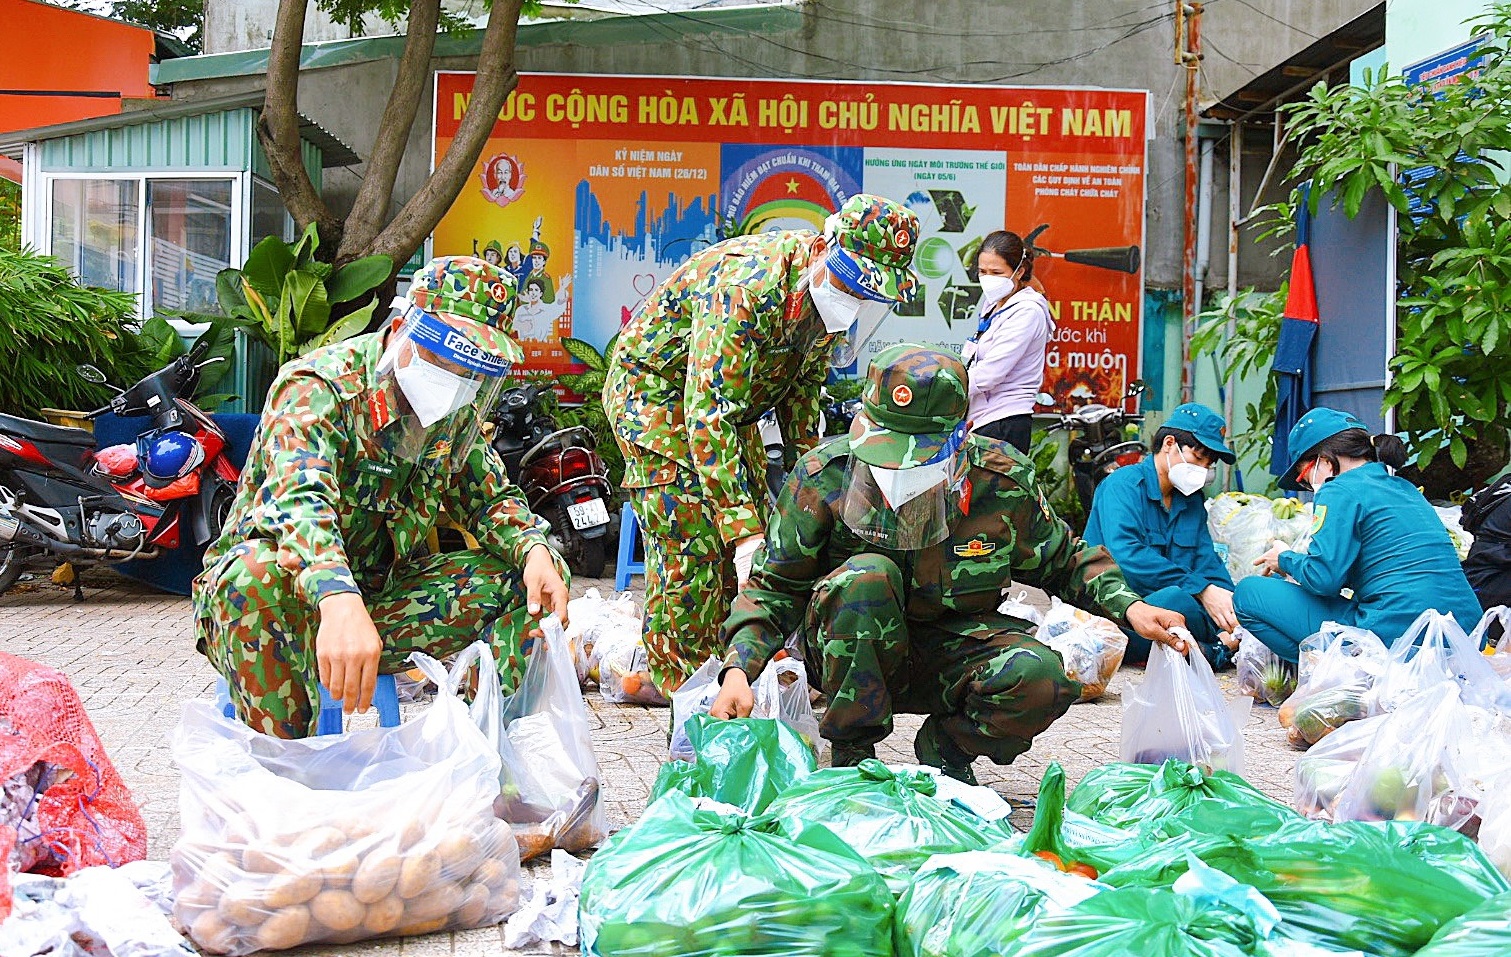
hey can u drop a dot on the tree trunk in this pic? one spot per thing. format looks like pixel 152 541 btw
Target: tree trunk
pixel 278 126
pixel 496 79
pixel 370 210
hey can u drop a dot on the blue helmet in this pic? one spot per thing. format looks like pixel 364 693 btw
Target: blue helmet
pixel 168 456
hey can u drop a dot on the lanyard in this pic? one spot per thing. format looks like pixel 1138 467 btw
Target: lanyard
pixel 986 321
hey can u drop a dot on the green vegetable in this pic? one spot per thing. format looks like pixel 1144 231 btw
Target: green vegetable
pixel 1330 709
pixel 690 882
pixel 744 762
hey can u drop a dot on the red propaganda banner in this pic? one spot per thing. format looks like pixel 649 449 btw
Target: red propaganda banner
pixel 592 189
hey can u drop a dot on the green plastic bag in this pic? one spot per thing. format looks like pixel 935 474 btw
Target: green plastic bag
pixel 974 904
pixel 891 818
pixel 1482 932
pixel 694 879
pixel 745 762
pixel 1077 839
pixel 1127 795
pixel 1348 886
pixel 1214 818
pixel 1143 922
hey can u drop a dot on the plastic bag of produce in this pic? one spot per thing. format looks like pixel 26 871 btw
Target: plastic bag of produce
pixel 375 833
pixel 1242 527
pixel 1142 921
pixel 1435 649
pixel 745 762
pixel 1325 770
pixel 1127 795
pixel 1480 933
pixel 1339 667
pixel 593 616
pixel 1066 840
pixel 1452 518
pixel 891 818
pixel 1262 674
pixel 700 879
pixel 1348 886
pixel 1178 711
pixel 624 672
pixel 548 775
pixel 975 904
pixel 696 696
pixel 1090 647
pixel 1017 606
pixel 781 692
pixel 1499 656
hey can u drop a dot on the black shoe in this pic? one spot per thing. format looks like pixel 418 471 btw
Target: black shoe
pixel 934 748
pixel 849 755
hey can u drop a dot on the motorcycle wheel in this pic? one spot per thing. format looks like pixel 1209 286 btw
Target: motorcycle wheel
pixel 585 556
pixel 13 561
pixel 220 509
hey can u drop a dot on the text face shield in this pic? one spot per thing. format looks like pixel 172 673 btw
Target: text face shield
pixel 448 384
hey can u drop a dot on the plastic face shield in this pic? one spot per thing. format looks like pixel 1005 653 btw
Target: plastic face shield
pixel 431 341
pixel 869 311
pixel 906 509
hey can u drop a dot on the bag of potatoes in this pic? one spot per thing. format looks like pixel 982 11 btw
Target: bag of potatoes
pixel 548 781
pixel 383 832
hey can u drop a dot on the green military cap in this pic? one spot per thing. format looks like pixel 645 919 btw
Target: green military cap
pixel 913 409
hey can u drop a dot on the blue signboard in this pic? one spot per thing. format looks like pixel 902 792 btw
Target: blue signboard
pixel 1438 72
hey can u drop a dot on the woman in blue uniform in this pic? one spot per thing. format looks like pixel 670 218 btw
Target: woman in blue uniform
pixel 1373 533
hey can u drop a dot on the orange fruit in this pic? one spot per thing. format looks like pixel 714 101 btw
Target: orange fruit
pixel 1051 857
pixel 631 684
pixel 1083 870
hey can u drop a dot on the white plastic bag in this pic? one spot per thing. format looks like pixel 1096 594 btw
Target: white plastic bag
pixel 1090 647
pixel 1017 606
pixel 548 912
pixel 1178 711
pixel 382 832
pixel 1452 517
pixel 781 692
pixel 696 696
pixel 1244 526
pixel 1262 674
pixel 1339 667
pixel 548 775
pixel 1323 772
pixel 1499 656
pixel 593 616
pixel 624 671
pixel 1435 649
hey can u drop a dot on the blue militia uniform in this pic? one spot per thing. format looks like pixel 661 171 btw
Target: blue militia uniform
pixel 1375 534
pixel 1166 555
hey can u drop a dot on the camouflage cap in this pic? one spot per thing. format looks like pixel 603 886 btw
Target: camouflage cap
pixel 538 248
pixel 877 237
pixel 913 409
pixel 474 296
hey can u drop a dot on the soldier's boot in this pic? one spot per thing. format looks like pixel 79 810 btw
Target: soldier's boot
pixel 848 755
pixel 934 748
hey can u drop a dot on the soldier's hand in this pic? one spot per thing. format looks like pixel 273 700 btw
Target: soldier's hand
pixel 545 592
pixel 735 699
pixel 1155 624
pixel 347 650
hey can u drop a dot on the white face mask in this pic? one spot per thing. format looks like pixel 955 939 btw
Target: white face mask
pixel 433 392
pixel 901 486
pixel 994 289
pixel 838 310
pixel 1187 477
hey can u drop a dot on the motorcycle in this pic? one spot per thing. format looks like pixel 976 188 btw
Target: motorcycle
pixel 561 474
pixel 64 500
pixel 835 416
pixel 1099 443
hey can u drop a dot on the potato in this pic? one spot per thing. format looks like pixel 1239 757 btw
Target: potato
pixel 286 928
pixel 244 904
pixel 263 859
pixel 337 910
pixel 219 870
pixel 418 873
pixel 422 927
pixel 460 855
pixel 211 932
pixel 412 833
pixel 240 831
pixel 491 872
pixel 383 916
pixel 340 867
pixel 288 889
pixel 197 896
pixel 439 901
pixel 376 876
pixel 316 843
pixel 474 906
pixel 358 829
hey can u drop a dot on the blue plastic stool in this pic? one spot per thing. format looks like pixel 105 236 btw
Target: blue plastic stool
pixel 627 567
pixel 385 699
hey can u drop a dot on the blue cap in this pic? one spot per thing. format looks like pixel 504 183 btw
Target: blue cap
pixel 1316 427
pixel 1207 426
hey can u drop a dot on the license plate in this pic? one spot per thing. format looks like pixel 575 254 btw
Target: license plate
pixel 589 514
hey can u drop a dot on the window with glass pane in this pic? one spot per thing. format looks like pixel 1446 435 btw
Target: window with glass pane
pixel 268 216
pixel 189 223
pixel 95 229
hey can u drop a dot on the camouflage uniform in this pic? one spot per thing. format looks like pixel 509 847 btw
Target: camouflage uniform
pixel 325 507
pixel 729 335
pixel 918 631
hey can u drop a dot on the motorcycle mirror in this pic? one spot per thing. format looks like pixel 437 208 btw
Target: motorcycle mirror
pixel 89 373
pixel 1137 387
pixel 1044 399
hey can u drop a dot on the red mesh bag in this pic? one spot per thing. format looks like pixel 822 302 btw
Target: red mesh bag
pixel 84 811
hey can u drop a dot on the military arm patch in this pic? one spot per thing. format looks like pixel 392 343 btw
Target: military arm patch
pixel 1318 517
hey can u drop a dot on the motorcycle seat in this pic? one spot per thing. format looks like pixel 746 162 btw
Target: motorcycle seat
pixel 43 432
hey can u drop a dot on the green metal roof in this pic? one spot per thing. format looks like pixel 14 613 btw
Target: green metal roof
pixel 602 31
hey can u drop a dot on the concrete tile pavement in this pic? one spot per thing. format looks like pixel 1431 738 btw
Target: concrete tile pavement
pixel 130 652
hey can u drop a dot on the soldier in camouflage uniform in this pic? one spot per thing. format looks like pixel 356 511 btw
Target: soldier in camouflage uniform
pixel 889 553
pixel 320 572
pixel 747 325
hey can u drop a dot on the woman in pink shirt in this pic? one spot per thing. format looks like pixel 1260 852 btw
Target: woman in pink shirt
pixel 1005 358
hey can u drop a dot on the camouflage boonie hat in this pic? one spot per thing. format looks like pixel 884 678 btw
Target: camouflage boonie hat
pixel 473 295
pixel 913 409
pixel 876 238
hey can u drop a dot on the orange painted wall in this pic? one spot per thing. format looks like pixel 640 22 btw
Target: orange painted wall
pixel 49 48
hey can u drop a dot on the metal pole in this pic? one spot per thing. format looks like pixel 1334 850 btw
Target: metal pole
pixel 1190 58
pixel 1235 210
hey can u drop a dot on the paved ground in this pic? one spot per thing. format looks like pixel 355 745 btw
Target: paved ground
pixel 130 653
